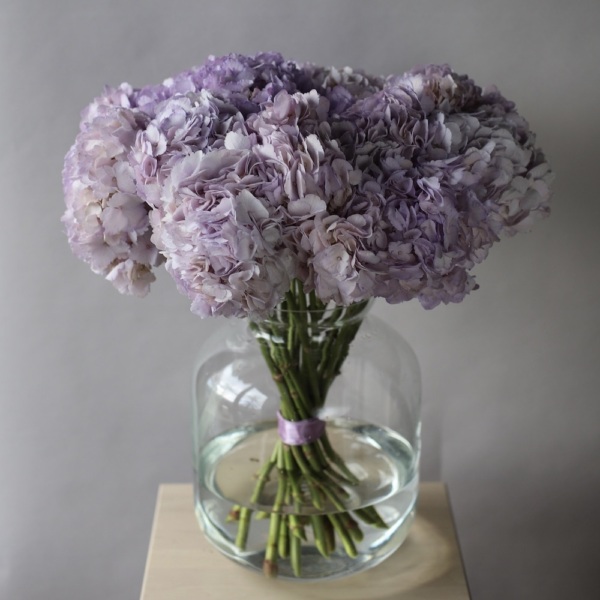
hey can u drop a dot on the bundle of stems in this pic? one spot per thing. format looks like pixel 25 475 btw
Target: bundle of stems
pixel 304 346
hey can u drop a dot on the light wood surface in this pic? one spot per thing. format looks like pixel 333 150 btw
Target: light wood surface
pixel 182 565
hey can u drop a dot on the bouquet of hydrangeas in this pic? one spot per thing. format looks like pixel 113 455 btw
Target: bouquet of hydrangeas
pixel 264 183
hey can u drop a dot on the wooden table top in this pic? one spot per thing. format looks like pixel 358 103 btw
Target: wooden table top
pixel 182 565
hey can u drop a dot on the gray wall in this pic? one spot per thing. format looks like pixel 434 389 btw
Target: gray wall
pixel 94 406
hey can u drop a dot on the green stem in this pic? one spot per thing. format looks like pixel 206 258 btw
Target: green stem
pixel 283 546
pixel 304 363
pixel 317 522
pixel 295 553
pixel 270 568
pixel 309 368
pixel 344 536
pixel 335 458
pixel 243 528
pixel 370 516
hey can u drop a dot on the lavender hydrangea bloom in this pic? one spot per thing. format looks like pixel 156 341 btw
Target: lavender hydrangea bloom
pixel 448 169
pixel 244 81
pixel 223 243
pixel 249 171
pixel 227 213
pixel 501 163
pixel 342 87
pixel 183 124
pixel 142 101
pixel 436 88
pixel 107 223
pixel 339 269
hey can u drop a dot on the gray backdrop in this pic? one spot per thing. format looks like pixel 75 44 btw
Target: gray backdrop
pixel 95 387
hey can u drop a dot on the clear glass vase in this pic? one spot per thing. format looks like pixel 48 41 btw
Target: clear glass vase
pixel 341 497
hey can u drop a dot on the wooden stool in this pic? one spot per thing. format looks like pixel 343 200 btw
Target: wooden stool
pixel 182 565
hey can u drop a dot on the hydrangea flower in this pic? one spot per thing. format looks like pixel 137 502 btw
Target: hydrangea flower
pixel 343 87
pixel 442 167
pixel 106 221
pixel 226 212
pixel 248 171
pixel 196 121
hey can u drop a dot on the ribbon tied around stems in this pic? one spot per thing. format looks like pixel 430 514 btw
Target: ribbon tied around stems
pixel 296 433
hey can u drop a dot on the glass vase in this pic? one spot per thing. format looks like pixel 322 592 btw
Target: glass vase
pixel 306 431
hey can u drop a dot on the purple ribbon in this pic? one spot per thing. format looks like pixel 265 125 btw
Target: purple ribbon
pixel 296 433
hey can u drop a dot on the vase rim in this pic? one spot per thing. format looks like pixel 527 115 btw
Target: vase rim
pixel 358 310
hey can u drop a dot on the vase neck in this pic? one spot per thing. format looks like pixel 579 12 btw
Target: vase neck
pixel 305 348
pixel 324 317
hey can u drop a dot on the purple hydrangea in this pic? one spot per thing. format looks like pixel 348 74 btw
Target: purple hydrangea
pixel 445 170
pixel 343 87
pixel 196 121
pixel 227 213
pixel 106 221
pixel 244 81
pixel 249 171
